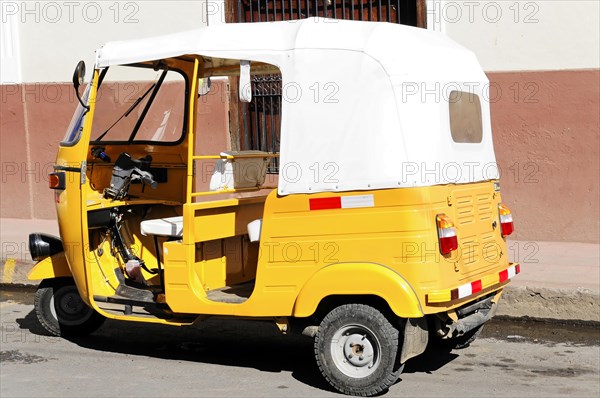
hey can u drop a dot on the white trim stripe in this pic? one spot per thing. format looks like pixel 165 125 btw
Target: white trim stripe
pixel 352 202
pixel 474 287
pixel 464 290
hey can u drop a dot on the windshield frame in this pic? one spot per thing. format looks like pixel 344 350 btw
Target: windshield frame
pixel 186 107
pixel 78 119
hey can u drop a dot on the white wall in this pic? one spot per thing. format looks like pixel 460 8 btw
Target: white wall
pixel 10 70
pixel 43 40
pixel 50 37
pixel 511 35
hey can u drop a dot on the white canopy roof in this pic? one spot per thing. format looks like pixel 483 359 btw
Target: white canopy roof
pixel 365 104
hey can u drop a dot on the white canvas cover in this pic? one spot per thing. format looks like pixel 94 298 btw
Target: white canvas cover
pixel 365 104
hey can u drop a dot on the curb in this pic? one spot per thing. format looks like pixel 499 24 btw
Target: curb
pixel 14 273
pixel 545 303
pixel 17 287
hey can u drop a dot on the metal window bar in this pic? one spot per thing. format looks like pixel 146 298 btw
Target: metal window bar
pixel 397 11
pixel 261 118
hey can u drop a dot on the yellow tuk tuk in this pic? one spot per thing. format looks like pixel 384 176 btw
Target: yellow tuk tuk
pixel 378 225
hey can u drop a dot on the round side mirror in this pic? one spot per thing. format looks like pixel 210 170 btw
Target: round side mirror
pixel 78 77
pixel 79 74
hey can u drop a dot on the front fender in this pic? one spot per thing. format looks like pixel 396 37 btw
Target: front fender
pixel 55 266
pixel 358 279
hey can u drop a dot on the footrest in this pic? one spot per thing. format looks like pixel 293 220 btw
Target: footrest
pixel 117 299
pixel 128 292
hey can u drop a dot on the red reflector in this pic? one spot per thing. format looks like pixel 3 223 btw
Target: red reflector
pixel 325 203
pixel 518 268
pixel 448 244
pixel 454 294
pixel 503 275
pixel 54 181
pixel 475 287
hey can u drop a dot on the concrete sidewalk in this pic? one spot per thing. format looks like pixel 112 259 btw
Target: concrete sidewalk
pixel 558 280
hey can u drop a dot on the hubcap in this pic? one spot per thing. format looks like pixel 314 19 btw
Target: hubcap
pixel 355 350
pixel 68 308
pixel 358 350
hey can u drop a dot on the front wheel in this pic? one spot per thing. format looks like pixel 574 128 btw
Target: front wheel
pixel 62 312
pixel 356 348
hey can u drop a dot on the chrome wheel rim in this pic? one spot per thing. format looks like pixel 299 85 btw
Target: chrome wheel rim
pixel 356 351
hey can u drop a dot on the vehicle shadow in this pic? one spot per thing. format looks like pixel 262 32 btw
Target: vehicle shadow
pixel 252 344
pixel 430 361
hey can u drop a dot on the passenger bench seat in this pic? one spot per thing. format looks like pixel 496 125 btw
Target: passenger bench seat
pixel 172 227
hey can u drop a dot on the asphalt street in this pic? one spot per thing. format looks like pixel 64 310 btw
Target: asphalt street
pixel 252 359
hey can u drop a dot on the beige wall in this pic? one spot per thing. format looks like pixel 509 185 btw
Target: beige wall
pixel 48 38
pixel 546 128
pixel 523 35
pixel 33 119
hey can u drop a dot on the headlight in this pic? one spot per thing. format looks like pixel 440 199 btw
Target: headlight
pixel 43 245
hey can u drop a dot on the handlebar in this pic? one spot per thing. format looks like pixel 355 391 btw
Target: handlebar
pixel 127 170
pixel 145 177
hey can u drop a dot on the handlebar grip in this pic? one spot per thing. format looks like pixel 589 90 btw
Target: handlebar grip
pixel 147 179
pixel 144 176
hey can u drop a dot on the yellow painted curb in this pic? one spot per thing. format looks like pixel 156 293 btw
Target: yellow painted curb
pixel 9 270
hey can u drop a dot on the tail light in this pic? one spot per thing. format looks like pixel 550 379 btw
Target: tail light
pixel 446 234
pixel 506 220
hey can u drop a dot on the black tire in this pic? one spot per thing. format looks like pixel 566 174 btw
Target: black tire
pixel 458 343
pixel 62 312
pixel 351 332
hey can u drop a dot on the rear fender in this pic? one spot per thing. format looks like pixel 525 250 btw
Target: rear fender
pixel 55 266
pixel 358 279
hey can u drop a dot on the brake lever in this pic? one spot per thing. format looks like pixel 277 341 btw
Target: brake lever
pixel 98 153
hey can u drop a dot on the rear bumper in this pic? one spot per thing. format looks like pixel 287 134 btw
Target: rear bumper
pixel 472 288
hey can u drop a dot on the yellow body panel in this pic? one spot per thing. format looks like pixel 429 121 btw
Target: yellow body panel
pixel 358 279
pixel 389 250
pixel 55 266
pixel 399 232
pixel 488 283
pixel 94 275
pixel 69 209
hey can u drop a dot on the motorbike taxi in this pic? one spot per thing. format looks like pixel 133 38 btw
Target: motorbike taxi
pixel 376 228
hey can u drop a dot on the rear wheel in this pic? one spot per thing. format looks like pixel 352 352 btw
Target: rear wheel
pixel 62 312
pixel 356 349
